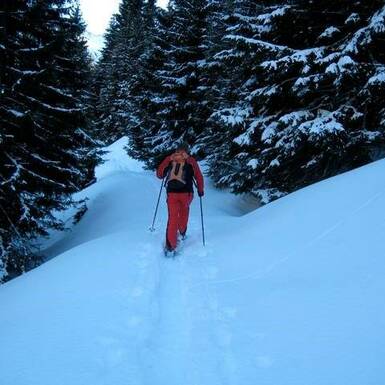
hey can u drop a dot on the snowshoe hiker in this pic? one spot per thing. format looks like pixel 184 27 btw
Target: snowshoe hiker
pixel 181 169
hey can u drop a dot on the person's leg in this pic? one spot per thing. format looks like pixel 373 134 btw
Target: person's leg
pixel 185 201
pixel 172 223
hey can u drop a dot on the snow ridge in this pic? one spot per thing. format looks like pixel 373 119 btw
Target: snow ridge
pixel 293 290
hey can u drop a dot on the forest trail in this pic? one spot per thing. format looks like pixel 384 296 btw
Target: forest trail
pixel 291 293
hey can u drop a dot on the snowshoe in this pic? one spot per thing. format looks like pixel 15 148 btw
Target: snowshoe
pixel 181 239
pixel 169 253
pixel 183 236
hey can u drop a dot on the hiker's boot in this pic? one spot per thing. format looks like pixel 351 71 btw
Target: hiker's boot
pixel 169 253
pixel 183 235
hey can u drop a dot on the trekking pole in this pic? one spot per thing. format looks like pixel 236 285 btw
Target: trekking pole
pixel 203 227
pixel 152 228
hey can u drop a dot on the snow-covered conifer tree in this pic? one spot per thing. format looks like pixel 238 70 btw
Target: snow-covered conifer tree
pixel 313 105
pixel 179 106
pixel 119 68
pixel 46 152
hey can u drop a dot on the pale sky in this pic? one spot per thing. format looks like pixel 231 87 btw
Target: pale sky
pixel 97 14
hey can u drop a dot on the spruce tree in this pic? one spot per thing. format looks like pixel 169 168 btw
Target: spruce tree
pixel 178 108
pixel 144 134
pixel 46 152
pixel 233 115
pixel 117 71
pixel 215 81
pixel 313 107
pixel 105 85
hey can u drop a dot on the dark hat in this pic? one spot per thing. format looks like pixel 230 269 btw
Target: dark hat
pixel 183 146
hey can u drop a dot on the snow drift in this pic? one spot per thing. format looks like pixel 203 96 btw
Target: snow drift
pixel 291 293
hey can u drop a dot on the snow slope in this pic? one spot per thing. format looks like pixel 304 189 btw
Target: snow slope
pixel 291 293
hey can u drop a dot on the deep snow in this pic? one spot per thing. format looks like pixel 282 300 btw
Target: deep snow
pixel 289 294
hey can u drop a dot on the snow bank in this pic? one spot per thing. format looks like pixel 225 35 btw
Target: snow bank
pixel 291 293
pixel 117 161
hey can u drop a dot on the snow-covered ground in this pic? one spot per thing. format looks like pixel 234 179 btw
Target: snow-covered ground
pixel 289 294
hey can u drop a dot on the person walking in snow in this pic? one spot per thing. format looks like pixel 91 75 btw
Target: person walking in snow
pixel 180 170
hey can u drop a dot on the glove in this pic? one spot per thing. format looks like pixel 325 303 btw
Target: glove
pixel 201 193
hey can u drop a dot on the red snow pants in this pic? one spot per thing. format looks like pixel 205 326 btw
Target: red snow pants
pixel 178 210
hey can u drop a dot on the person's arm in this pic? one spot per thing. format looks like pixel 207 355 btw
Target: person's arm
pixel 197 175
pixel 160 172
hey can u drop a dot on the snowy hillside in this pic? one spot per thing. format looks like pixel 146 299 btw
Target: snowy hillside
pixel 288 294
